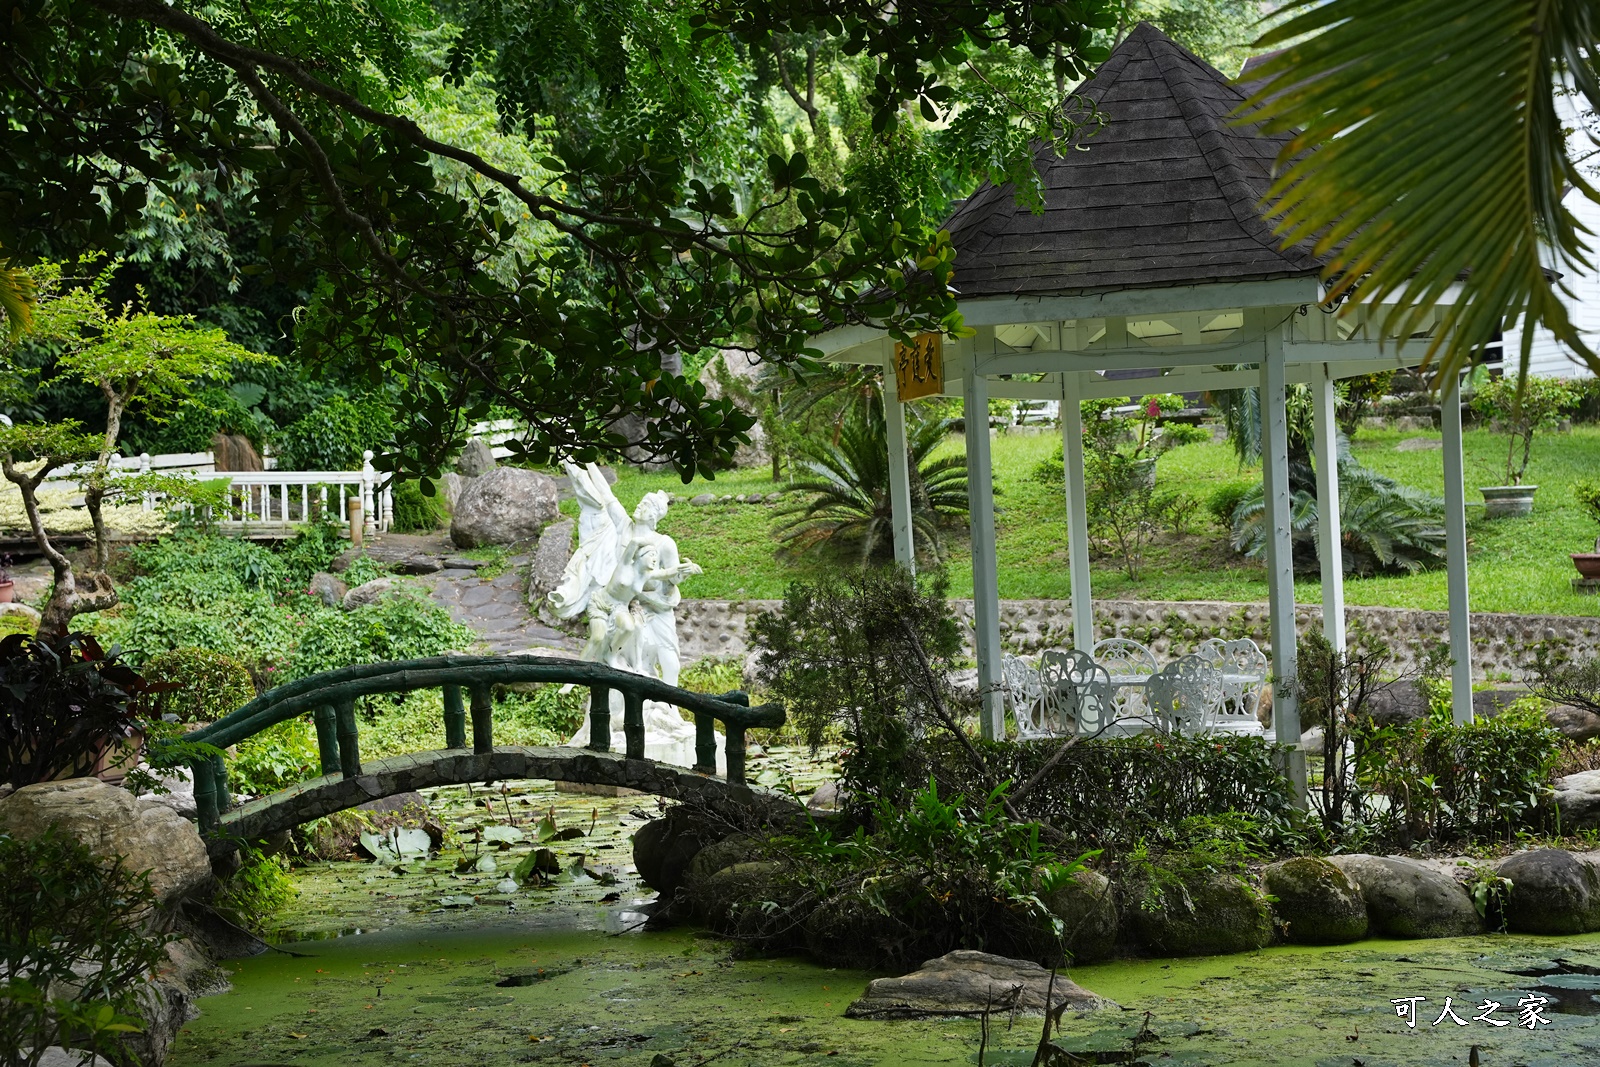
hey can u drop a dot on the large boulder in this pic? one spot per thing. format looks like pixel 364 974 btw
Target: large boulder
pixel 504 505
pixel 1577 798
pixel 328 588
pixel 1406 899
pixel 1203 914
pixel 113 822
pixel 734 375
pixel 1552 892
pixel 737 900
pixel 965 982
pixel 1317 903
pixel 1088 913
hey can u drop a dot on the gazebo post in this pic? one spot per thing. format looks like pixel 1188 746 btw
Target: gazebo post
pixel 1330 540
pixel 894 418
pixel 1280 559
pixel 1077 511
pixel 1455 544
pixel 985 576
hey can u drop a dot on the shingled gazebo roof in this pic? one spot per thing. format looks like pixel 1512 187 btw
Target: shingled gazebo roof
pixel 1166 193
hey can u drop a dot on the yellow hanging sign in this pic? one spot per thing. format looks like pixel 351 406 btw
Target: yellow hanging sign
pixel 919 366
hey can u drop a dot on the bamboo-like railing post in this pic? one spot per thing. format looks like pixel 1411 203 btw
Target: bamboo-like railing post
pixel 705 743
pixel 734 751
pixel 205 794
pixel 482 719
pixel 219 784
pixel 327 738
pixel 455 718
pixel 633 723
pixel 600 718
pixel 349 741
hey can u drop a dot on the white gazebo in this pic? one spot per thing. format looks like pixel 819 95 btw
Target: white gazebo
pixel 1152 256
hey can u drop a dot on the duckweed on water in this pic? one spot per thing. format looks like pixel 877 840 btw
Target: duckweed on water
pixel 566 974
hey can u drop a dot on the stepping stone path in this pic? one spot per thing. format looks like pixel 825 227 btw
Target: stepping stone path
pixel 496 608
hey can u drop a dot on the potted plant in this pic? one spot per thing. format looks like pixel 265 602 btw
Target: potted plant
pixel 1588 494
pixel 1519 408
pixel 8 588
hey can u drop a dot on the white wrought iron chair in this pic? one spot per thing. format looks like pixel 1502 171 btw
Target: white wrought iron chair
pixel 1244 671
pixel 1130 666
pixel 1083 689
pixel 1184 695
pixel 1023 694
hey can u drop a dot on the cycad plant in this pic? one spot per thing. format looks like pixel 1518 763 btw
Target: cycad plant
pixel 840 501
pixel 1385 526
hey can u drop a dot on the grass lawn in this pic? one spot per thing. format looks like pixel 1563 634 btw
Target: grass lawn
pixel 1517 565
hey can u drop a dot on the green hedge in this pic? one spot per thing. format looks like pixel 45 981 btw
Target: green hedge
pixel 1115 793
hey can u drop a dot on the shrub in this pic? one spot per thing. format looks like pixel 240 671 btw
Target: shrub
pixel 1226 498
pixel 414 511
pixel 63 703
pixel 1113 793
pixel 1538 407
pixel 256 891
pixel 205 685
pixel 73 923
pixel 1125 510
pixel 1178 434
pixel 275 758
pixel 404 625
pixel 333 435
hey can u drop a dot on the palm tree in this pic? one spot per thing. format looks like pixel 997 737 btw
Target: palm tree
pixel 1429 151
pixel 16 299
pixel 842 500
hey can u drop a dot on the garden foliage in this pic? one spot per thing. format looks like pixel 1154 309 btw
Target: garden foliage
pixel 74 946
pixel 63 703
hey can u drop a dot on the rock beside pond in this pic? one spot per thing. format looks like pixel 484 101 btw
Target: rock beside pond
pixel 503 505
pixel 732 900
pixel 1317 903
pixel 1088 913
pixel 966 982
pixel 1406 899
pixel 113 822
pixel 1203 915
pixel 1552 892
pixel 1577 797
pixel 663 849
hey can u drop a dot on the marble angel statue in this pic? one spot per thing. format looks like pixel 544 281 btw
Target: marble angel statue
pixel 623 579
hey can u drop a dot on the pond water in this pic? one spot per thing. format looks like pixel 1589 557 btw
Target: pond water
pixel 425 963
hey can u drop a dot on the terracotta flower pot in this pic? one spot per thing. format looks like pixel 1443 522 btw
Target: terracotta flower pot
pixel 8 591
pixel 1503 501
pixel 1588 563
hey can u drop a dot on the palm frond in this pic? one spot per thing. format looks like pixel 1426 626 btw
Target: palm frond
pixel 1428 150
pixel 17 297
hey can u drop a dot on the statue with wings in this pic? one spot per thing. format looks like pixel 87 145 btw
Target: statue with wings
pixel 623 579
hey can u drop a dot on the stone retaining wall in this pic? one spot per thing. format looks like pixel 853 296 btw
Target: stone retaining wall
pixel 1502 644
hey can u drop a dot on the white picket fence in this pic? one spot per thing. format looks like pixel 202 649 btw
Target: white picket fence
pixel 267 501
pixel 272 501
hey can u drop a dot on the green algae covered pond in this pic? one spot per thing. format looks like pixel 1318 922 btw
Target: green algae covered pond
pixel 433 962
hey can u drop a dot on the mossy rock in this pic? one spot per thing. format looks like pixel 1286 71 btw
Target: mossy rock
pixel 846 931
pixel 1087 909
pixel 754 901
pixel 731 850
pixel 1200 914
pixel 1317 903
pixel 664 848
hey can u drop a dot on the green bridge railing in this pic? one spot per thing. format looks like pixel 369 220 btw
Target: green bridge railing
pixel 331 699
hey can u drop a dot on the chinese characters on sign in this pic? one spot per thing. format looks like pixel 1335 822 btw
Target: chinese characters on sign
pixel 919 367
pixel 1530 1012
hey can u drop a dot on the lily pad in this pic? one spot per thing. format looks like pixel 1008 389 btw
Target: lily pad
pixel 397 845
pixel 457 900
pixel 508 835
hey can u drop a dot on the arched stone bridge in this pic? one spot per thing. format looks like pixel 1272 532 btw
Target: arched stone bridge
pixel 347 781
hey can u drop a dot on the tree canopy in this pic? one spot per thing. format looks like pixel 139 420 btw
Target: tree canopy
pixel 564 277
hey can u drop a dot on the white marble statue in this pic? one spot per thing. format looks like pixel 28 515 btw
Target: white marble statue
pixel 623 579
